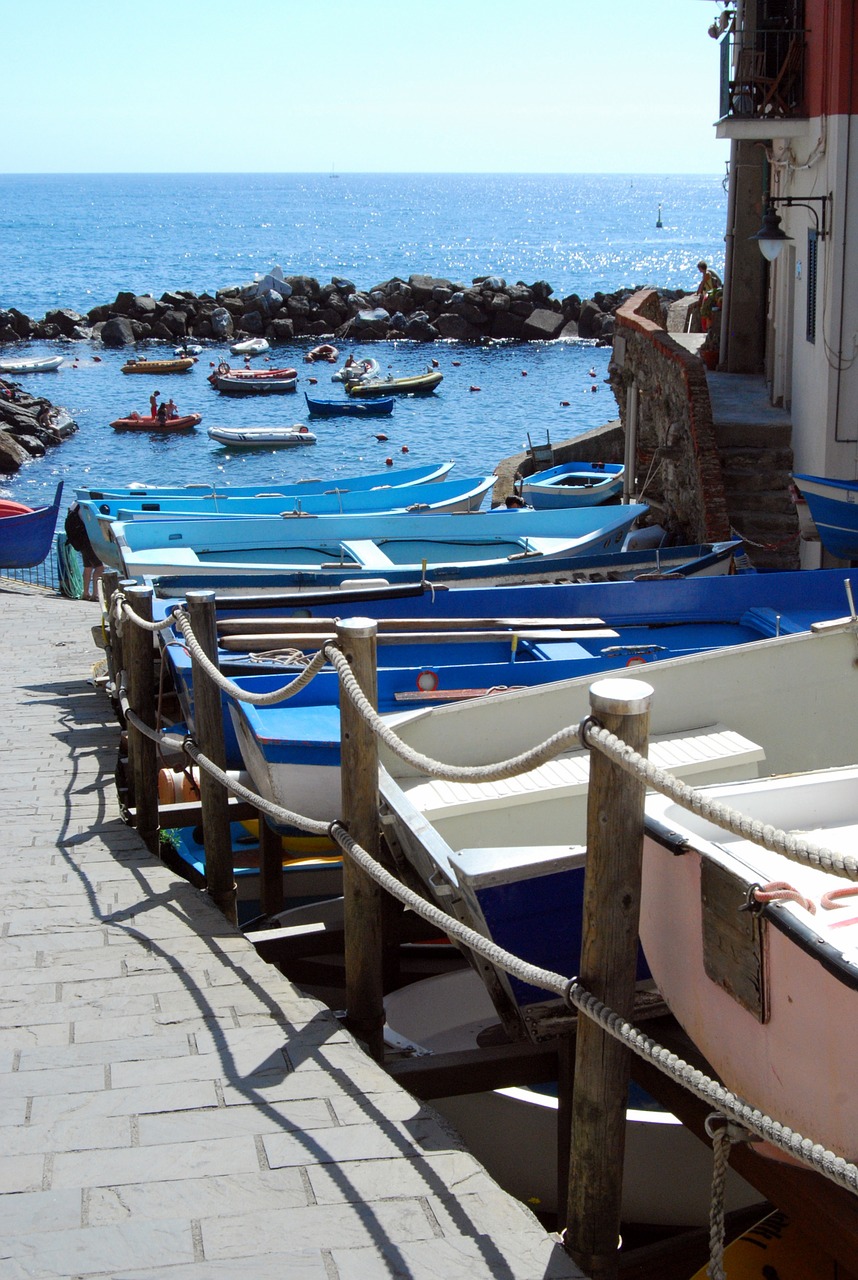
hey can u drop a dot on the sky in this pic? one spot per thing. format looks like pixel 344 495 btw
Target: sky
pixel 446 86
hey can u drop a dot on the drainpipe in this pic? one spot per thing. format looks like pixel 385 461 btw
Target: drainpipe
pixel 726 298
pixel 631 441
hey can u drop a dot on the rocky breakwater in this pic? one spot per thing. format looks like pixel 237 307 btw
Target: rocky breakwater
pixel 28 426
pixel 281 308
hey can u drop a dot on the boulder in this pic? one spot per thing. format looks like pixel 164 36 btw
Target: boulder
pixel 221 323
pixel 570 329
pixel 123 304
pixel 418 329
pixel 64 319
pixel 252 322
pixel 451 325
pixel 12 455
pixel 370 323
pixel 176 322
pixel 542 325
pixel 117 332
pixel 22 324
pixel 145 307
pixel 304 286
pixel 342 285
pixel 423 287
pixel 282 329
pixel 506 324
pixel 590 320
pixel 43 330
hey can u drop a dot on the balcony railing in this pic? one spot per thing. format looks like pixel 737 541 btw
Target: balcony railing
pixel 762 74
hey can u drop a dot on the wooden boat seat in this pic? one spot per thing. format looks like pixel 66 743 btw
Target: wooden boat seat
pixel 367 553
pixel 710 754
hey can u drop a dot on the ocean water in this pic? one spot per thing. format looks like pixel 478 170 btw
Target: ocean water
pixel 76 240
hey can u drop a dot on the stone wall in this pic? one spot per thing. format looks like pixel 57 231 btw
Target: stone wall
pixel 677 461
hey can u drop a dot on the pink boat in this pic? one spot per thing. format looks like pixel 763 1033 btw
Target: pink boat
pixel 768 991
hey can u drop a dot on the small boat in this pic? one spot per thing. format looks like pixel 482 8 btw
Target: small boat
pixel 236 383
pixel 717 716
pixel 141 365
pixel 833 504
pixel 324 352
pixel 358 371
pixel 145 422
pixel 573 484
pixel 224 369
pixel 481 547
pixel 427 474
pixel 250 347
pixel 419 384
pixel 31 364
pixel 349 408
pixel 768 995
pixel 262 437
pixel 26 535
pixel 188 349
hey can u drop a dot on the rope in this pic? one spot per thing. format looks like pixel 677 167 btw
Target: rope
pixel 795 847
pixel 724 1133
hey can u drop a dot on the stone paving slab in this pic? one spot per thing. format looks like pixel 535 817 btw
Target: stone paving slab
pixel 171 1108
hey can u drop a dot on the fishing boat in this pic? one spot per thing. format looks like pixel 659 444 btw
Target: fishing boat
pixel 261 437
pixel 140 364
pixel 250 347
pixel 833 504
pixel 768 994
pixel 446 548
pixel 26 536
pixel 349 408
pixel 145 422
pixel 31 364
pixel 573 484
pixel 389 479
pixel 466 644
pixel 358 371
pixel 238 383
pixel 418 384
pixel 504 854
pixel 466 494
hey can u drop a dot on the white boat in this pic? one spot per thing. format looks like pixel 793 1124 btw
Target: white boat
pixel 188 349
pixel 776 706
pixel 573 484
pixel 667 1171
pixel 32 364
pixel 358 371
pixel 250 347
pixel 262 437
pixel 769 995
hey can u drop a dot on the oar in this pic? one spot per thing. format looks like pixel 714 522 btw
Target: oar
pixel 260 625
pixel 315 639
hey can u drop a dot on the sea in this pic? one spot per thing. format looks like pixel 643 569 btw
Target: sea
pixel 77 240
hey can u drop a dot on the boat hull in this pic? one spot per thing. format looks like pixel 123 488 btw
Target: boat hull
pixel 187 422
pixel 35 364
pixel 159 367
pixel 283 438
pixel 422 384
pixel 573 485
pixel 26 537
pixel 833 504
pixel 229 385
pixel 381 407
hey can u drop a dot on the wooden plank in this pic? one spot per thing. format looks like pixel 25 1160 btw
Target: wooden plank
pixel 734 950
pixel 443 1075
pixel 241 626
pixel 300 638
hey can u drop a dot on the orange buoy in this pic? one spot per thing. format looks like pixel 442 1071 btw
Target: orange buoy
pixel 456 364
pixel 381 436
pixel 312 381
pixel 96 359
pixel 388 462
pixel 564 404
pixel 594 388
pixel 524 373
pixel 475 388
pixel 405 448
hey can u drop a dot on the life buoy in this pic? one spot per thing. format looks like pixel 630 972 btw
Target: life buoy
pixel 637 661
pixel 223 367
pixel 427 681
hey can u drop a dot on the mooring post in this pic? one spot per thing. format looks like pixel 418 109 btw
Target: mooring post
pixel 208 731
pixel 615 805
pixel 140 660
pixel 109 587
pixel 116 637
pixel 270 869
pixel 363 897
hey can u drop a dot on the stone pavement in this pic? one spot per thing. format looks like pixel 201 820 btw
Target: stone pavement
pixel 171 1107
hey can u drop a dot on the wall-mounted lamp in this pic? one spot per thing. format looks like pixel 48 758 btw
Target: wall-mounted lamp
pixel 771 236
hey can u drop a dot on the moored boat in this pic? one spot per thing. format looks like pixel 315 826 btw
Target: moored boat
pixel 572 484
pixel 426 474
pixel 145 422
pixel 323 352
pixel 235 383
pixel 262 437
pixel 481 546
pixel 26 536
pixel 375 408
pixel 31 364
pixel 833 504
pixel 250 347
pixel 225 369
pixel 418 384
pixel 357 371
pixel 140 364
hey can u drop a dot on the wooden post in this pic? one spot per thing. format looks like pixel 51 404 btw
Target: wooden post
pixel 110 585
pixel 270 869
pixel 208 732
pixel 608 962
pixel 363 898
pixel 142 755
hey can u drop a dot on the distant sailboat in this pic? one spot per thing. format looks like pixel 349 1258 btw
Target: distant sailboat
pixel 334 175
pixel 658 221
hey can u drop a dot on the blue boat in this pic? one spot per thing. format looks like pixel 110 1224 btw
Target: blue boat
pixel 487 547
pixel 573 484
pixel 26 537
pixel 299 488
pixel 466 494
pixel 380 407
pixel 834 507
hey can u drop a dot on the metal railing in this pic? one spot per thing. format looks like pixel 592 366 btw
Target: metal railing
pixel 763 74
